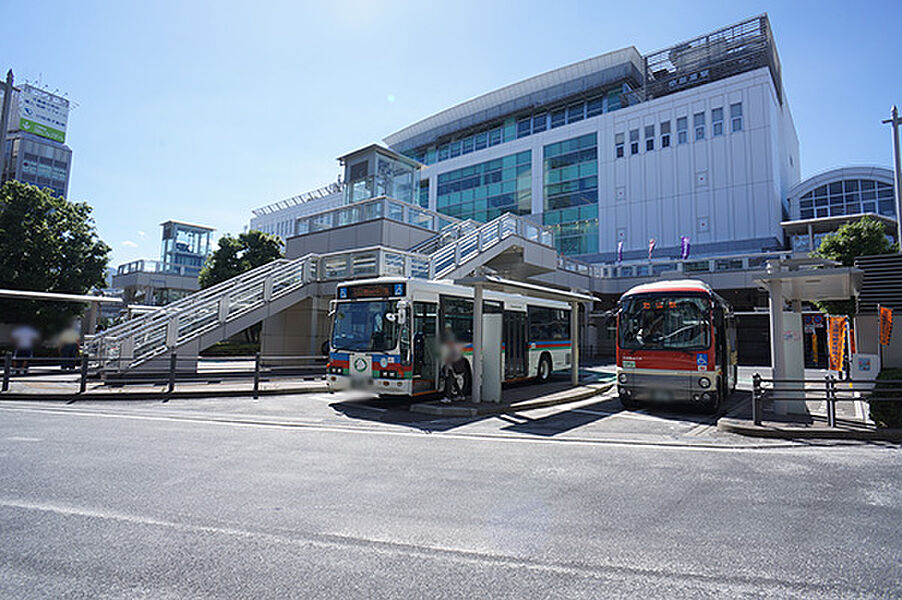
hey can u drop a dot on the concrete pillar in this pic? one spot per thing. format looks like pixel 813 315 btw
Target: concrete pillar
pixel 574 343
pixel 172 331
pixel 775 302
pixel 810 237
pixel 477 345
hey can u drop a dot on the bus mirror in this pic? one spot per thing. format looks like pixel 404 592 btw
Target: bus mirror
pixel 332 306
pixel 402 311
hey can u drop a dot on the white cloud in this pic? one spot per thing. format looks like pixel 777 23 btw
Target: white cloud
pixel 130 244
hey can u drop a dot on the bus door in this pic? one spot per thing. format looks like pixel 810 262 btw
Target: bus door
pixel 721 352
pixel 425 346
pixel 514 339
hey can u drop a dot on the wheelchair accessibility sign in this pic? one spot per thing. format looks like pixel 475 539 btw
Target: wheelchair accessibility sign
pixel 701 361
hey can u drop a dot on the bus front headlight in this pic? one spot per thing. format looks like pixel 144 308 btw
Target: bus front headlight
pixel 622 378
pixel 704 382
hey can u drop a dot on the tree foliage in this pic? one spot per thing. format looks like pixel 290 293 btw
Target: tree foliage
pixel 47 244
pixel 865 237
pixel 237 255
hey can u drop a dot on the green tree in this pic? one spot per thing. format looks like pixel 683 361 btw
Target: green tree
pixel 47 244
pixel 237 255
pixel 865 237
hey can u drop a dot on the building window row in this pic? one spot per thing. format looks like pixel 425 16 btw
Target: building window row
pixel 699 124
pixel 487 190
pixel 541 120
pixel 571 194
pixel 848 197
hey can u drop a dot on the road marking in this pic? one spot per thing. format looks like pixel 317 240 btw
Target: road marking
pixel 426 551
pixel 430 434
pixel 626 414
pixel 16 438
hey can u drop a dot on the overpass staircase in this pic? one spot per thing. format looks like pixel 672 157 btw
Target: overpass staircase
pixel 508 243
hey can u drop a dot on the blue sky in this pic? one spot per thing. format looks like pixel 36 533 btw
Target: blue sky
pixel 201 111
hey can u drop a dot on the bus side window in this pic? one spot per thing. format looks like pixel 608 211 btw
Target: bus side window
pixel 457 315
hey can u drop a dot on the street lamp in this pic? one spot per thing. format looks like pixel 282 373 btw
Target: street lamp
pixel 895 121
pixel 4 117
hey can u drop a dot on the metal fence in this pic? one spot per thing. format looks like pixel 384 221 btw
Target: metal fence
pixel 829 390
pixel 161 376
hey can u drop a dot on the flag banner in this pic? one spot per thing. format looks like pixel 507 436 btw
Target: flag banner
pixel 886 325
pixel 684 247
pixel 651 247
pixel 836 342
pixel 619 252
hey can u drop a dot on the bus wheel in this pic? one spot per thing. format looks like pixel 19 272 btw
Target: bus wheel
pixel 544 371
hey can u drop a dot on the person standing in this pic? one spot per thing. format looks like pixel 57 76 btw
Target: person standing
pixel 24 339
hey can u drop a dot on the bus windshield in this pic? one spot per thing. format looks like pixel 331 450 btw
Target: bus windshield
pixel 664 322
pixel 365 327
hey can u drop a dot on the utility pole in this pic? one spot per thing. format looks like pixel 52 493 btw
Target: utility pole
pixel 895 121
pixel 4 117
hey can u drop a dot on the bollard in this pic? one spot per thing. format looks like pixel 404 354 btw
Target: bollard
pixel 172 364
pixel 831 400
pixel 256 375
pixel 7 366
pixel 83 375
pixel 756 395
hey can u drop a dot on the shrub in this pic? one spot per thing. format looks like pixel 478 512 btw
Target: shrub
pixel 887 414
pixel 230 348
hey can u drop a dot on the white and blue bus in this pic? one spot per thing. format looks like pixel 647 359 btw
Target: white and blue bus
pixel 400 336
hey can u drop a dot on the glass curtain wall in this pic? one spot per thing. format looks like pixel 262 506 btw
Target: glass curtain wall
pixel 571 194
pixel 487 190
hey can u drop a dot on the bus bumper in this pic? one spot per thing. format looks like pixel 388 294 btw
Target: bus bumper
pixel 649 385
pixel 383 387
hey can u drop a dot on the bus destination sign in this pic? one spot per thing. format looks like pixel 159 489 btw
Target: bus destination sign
pixel 380 290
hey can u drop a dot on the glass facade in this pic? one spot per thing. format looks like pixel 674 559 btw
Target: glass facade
pixel 43 164
pixel 487 190
pixel 571 194
pixel 848 197
pixel 541 119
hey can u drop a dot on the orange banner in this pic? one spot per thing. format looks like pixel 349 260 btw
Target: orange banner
pixel 836 342
pixel 886 325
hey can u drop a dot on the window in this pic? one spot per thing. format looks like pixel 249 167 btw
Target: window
pixel 634 141
pixel 548 324
pixel 457 316
pixel 649 138
pixel 736 116
pixel 594 107
pixel 495 137
pixel 698 121
pixel 557 118
pixel 467 145
pixel 717 122
pixel 539 123
pixel 575 112
pixel 524 127
pixel 480 140
pixel 455 149
pixel 618 145
pixel 665 134
pixel 682 128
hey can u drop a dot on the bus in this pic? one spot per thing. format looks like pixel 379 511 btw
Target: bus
pixel 411 337
pixel 676 342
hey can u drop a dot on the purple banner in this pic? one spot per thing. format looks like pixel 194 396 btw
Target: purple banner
pixel 620 252
pixel 684 247
pixel 651 247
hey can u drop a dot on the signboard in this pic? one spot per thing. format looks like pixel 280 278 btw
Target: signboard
pixel 42 113
pixel 836 342
pixel 384 290
pixel 886 325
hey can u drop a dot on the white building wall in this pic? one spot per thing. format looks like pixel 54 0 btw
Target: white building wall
pixel 281 222
pixel 724 192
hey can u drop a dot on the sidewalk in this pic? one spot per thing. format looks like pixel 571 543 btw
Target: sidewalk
pixel 852 423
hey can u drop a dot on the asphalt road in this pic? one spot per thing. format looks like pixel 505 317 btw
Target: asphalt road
pixel 296 498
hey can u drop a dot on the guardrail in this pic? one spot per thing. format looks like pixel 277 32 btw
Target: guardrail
pixel 830 390
pixel 71 376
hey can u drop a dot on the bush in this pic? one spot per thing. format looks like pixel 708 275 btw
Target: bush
pixel 887 414
pixel 229 348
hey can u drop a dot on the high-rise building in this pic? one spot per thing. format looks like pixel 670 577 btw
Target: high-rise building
pixel 35 151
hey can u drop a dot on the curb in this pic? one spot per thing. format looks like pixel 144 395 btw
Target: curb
pixel 582 392
pixel 176 395
pixel 747 428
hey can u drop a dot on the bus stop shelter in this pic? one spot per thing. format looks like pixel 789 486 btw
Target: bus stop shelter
pixel 482 282
pixel 793 281
pixel 89 321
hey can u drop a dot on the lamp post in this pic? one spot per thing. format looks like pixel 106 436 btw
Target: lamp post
pixel 895 121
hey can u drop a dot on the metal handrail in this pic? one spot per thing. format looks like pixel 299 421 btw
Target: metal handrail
pixel 831 392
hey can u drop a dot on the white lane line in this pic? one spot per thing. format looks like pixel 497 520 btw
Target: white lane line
pixel 604 570
pixel 435 435
pixel 639 416
pixel 16 438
